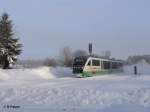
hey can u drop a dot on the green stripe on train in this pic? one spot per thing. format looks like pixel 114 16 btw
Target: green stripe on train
pixel 90 74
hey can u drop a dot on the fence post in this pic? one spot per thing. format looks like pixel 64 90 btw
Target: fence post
pixel 135 70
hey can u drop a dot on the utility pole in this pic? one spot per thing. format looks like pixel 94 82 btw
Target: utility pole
pixel 90 49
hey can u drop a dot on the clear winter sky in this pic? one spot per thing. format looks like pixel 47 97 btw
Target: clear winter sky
pixel 46 26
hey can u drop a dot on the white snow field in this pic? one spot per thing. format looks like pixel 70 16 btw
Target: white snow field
pixel 46 89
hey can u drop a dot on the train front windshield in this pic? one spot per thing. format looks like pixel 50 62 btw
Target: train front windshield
pixel 79 62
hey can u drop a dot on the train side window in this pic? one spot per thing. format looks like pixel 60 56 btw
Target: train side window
pixel 98 63
pixel 106 65
pixel 95 62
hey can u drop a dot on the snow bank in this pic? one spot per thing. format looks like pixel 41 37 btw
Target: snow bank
pixel 35 73
pixel 4 75
pixel 34 92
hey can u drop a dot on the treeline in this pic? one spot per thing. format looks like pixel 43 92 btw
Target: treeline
pixel 137 58
pixel 65 58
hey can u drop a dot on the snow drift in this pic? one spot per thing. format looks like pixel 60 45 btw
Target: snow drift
pixel 47 89
pixel 35 73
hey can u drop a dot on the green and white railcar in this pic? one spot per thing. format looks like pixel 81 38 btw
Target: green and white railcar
pixel 89 65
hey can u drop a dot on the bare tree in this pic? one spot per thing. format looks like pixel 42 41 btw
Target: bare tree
pixel 80 53
pixel 106 54
pixel 50 62
pixel 66 56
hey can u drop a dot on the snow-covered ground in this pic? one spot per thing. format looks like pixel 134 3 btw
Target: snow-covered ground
pixel 46 89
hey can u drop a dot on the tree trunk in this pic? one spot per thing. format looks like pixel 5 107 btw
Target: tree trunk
pixel 5 63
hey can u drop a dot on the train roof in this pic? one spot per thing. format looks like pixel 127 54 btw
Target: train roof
pixel 100 57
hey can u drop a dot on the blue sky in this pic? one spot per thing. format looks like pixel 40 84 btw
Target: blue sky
pixel 46 26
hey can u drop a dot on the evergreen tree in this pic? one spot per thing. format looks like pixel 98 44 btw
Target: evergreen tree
pixel 9 46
